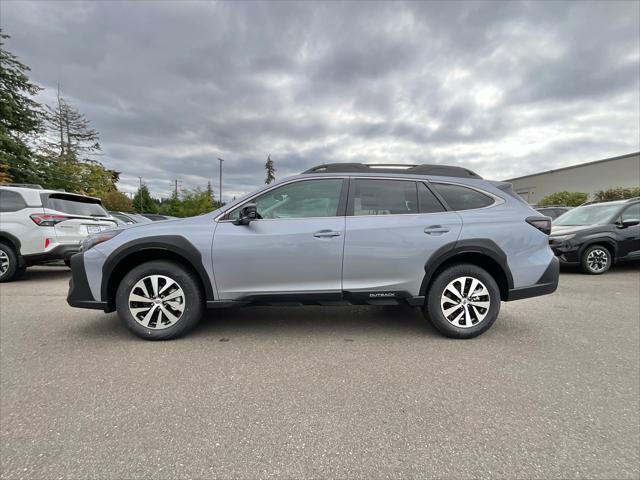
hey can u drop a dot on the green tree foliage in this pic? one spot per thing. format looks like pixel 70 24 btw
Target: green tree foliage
pixel 570 199
pixel 271 171
pixel 66 173
pixel 189 203
pixel 619 193
pixel 142 201
pixel 20 118
pixel 117 201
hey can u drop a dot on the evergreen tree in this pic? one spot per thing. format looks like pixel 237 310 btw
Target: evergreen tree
pixel 20 119
pixel 142 201
pixel 70 132
pixel 271 171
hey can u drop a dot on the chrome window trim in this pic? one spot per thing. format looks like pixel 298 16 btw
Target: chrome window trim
pixel 496 199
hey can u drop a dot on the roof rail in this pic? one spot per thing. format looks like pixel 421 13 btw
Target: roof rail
pixel 22 185
pixel 436 170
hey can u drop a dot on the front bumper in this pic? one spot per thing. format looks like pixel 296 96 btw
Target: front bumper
pixel 566 252
pixel 59 252
pixel 547 283
pixel 80 295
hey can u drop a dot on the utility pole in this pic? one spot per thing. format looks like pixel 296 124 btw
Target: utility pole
pixel 175 190
pixel 140 193
pixel 220 191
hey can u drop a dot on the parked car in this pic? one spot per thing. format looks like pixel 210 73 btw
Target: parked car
pixel 553 211
pixel 40 226
pixel 156 217
pixel 597 235
pixel 123 218
pixel 434 237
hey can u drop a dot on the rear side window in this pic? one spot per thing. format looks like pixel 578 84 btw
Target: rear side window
pixel 11 201
pixel 427 201
pixel 462 198
pixel 75 205
pixel 384 197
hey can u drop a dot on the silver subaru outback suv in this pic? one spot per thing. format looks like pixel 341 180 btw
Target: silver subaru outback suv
pixel 435 237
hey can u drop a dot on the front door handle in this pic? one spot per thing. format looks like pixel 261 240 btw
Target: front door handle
pixel 436 229
pixel 327 233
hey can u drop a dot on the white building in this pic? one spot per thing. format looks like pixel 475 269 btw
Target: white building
pixel 622 171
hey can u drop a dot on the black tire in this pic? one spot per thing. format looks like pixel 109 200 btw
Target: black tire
pixel 434 312
pixel 596 260
pixel 8 254
pixel 67 262
pixel 186 280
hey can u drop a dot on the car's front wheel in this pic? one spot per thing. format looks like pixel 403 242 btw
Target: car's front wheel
pixel 159 300
pixel 596 260
pixel 463 301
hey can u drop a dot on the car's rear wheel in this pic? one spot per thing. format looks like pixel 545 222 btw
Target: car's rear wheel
pixel 463 301
pixel 159 300
pixel 9 269
pixel 596 260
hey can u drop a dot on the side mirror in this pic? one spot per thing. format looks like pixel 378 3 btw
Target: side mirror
pixel 629 222
pixel 248 213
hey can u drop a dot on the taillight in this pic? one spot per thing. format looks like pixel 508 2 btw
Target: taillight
pixel 46 220
pixel 541 223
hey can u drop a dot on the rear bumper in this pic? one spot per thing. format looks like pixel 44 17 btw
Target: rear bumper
pixel 59 252
pixel 80 295
pixel 547 283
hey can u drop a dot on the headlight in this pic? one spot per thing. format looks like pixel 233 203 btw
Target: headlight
pixel 562 238
pixel 94 240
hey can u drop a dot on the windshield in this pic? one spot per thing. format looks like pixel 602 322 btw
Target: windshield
pixel 588 215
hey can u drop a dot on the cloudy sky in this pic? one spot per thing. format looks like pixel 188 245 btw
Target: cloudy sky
pixel 503 88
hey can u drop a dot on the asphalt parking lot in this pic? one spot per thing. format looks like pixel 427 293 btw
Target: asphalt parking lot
pixel 552 390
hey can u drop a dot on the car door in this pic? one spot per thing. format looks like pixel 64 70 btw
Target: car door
pixel 295 248
pixel 393 227
pixel 629 237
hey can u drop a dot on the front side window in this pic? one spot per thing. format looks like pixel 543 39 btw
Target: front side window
pixel 304 199
pixel 462 198
pixel 631 213
pixel 384 197
pixel 11 201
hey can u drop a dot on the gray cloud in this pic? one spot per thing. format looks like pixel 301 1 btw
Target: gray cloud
pixel 505 88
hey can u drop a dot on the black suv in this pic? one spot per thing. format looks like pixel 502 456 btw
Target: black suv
pixel 596 235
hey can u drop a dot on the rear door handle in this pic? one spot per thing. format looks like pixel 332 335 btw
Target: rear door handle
pixel 327 233
pixel 436 229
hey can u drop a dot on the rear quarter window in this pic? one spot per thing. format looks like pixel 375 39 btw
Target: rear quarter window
pixel 11 201
pixel 462 198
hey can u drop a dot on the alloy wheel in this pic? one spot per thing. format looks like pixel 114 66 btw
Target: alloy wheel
pixel 465 302
pixel 4 262
pixel 156 302
pixel 597 260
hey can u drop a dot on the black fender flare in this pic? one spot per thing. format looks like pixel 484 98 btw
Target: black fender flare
pixel 175 244
pixel 609 241
pixel 483 246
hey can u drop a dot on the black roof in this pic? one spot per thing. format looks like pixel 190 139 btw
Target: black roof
pixel 437 170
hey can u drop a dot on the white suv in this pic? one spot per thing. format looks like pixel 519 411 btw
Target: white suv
pixel 40 226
